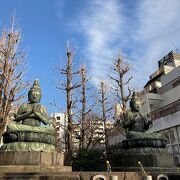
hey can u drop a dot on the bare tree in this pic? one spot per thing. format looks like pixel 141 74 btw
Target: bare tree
pixel 11 72
pixel 68 87
pixel 106 111
pixel 92 130
pixel 85 109
pixel 120 70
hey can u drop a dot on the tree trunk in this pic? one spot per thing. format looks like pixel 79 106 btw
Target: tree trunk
pixel 69 109
pixel 104 116
pixel 83 73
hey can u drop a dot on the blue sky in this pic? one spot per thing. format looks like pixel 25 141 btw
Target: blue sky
pixel 144 30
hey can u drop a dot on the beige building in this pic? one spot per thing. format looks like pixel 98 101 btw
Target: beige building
pixel 161 100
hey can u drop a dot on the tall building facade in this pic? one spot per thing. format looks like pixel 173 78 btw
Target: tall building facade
pixel 60 124
pixel 76 136
pixel 94 134
pixel 161 100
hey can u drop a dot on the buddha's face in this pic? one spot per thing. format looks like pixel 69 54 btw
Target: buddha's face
pixel 34 96
pixel 136 106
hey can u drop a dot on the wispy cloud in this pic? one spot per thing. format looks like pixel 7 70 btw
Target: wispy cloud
pixel 102 25
pixel 157 33
pixel 145 31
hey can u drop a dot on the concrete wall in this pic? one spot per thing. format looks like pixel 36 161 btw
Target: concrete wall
pixel 170 76
pixel 170 126
pixel 121 175
pixel 172 175
pixel 170 96
pixel 151 101
pixel 166 122
pixel 75 176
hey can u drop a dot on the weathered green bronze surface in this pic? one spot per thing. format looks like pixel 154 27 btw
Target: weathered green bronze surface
pixel 29 134
pixel 25 128
pixel 148 148
pixel 32 113
pixel 136 124
pixel 28 146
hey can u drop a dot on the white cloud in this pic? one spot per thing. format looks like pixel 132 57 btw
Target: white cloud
pixel 102 25
pixel 146 34
pixel 158 32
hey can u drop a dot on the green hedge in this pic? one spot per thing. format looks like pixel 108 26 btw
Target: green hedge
pixel 89 160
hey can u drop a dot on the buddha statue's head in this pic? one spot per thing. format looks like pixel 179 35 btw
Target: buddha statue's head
pixel 34 94
pixel 135 104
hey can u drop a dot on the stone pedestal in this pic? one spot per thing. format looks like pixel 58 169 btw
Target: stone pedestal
pixel 150 152
pixel 29 162
pixel 154 160
pixel 148 156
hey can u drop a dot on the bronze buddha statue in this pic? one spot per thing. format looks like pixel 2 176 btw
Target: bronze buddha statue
pixel 28 134
pixel 136 123
pixel 32 113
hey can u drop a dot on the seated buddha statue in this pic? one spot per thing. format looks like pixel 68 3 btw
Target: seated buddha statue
pixel 136 123
pixel 32 113
pixel 28 134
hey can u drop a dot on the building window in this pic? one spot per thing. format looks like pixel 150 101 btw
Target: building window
pixel 172 137
pixel 58 117
pixel 178 132
pixel 167 136
pixel 175 149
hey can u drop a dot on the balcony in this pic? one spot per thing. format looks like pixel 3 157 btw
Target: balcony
pixel 154 85
pixel 156 73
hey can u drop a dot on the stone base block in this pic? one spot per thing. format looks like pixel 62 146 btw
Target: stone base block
pixel 151 160
pixel 144 151
pixel 31 158
pixel 72 176
pixel 30 169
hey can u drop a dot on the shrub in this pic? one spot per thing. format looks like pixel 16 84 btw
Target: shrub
pixel 88 160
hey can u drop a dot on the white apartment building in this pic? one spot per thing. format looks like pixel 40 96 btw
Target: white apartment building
pixel 61 124
pixel 76 136
pixel 161 100
pixel 94 134
pixel 99 133
pixel 61 129
pixel 95 129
